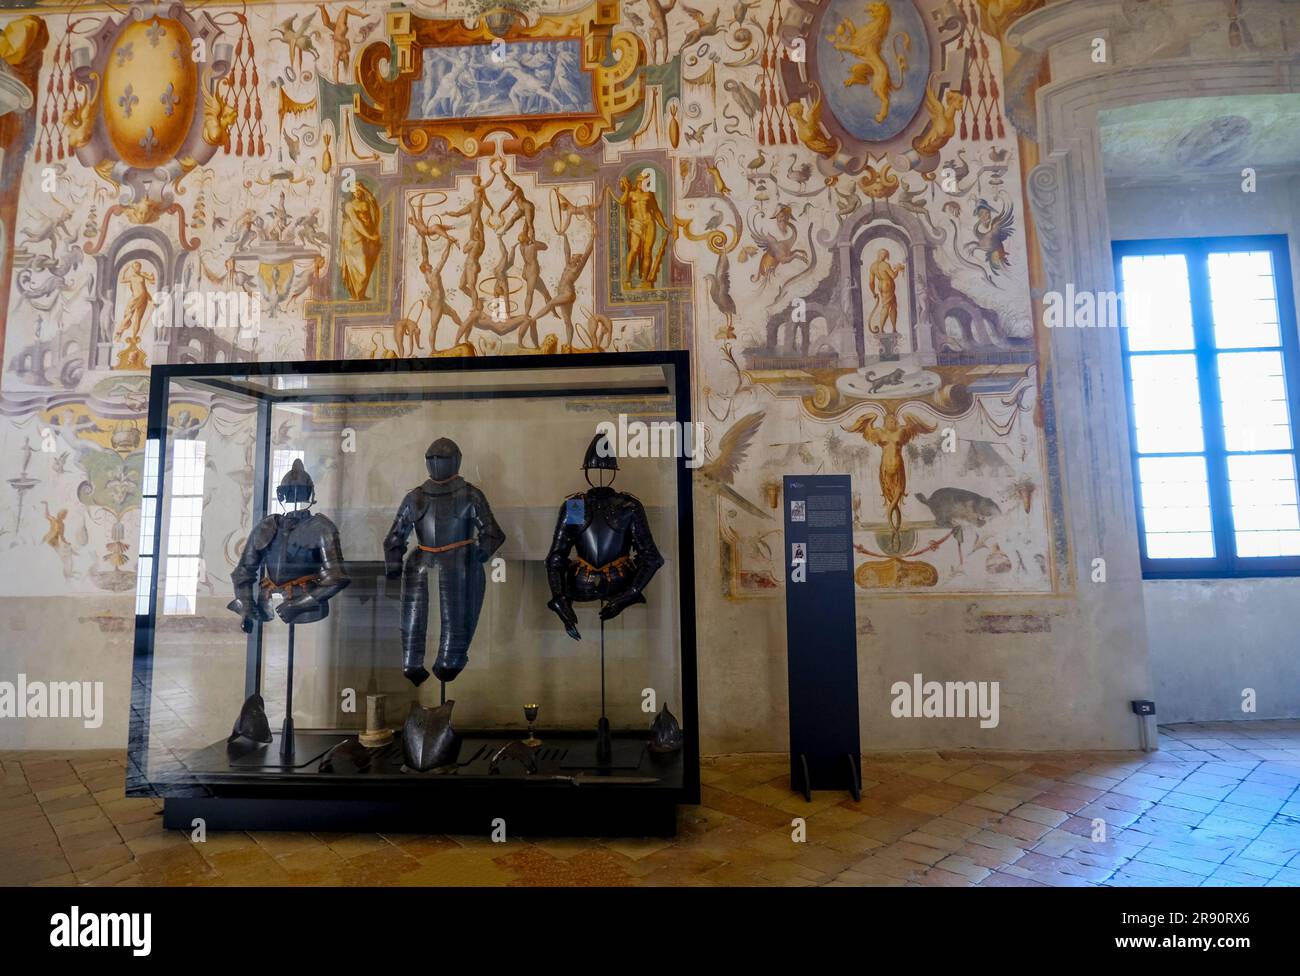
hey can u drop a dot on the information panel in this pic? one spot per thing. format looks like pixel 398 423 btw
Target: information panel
pixel 821 633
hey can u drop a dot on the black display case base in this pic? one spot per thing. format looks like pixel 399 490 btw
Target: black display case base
pixel 538 816
pixel 624 754
pixel 308 747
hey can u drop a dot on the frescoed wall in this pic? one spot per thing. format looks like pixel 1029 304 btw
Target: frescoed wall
pixel 825 203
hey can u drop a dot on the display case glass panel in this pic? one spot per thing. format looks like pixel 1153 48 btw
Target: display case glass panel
pixel 227 437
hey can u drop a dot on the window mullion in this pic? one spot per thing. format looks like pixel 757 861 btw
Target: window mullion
pixel 1207 369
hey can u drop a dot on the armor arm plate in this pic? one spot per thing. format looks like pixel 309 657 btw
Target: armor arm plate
pixel 395 541
pixel 648 556
pixel 248 571
pixel 490 535
pixel 333 575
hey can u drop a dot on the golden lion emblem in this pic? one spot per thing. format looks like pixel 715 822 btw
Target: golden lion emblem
pixel 867 45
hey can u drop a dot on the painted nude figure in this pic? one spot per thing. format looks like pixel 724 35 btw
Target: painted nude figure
pixel 566 291
pixel 641 214
pixel 881 280
pixel 138 303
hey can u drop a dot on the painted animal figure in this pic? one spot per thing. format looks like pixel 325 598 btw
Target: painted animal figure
pixel 659 27
pixel 888 379
pixel 953 506
pixel 776 252
pixel 866 44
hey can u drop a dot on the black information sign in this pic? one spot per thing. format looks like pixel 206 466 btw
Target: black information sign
pixel 821 634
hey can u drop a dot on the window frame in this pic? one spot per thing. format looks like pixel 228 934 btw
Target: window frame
pixel 1226 563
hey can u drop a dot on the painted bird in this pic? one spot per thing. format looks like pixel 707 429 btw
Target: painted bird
pixel 720 294
pixel 719 472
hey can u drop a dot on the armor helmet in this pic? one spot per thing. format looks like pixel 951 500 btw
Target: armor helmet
pixel 296 486
pixel 600 455
pixel 442 459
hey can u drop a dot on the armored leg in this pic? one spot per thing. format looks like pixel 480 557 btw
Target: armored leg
pixel 462 584
pixel 415 618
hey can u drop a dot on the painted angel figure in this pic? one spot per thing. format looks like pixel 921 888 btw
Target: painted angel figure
pixel 891 438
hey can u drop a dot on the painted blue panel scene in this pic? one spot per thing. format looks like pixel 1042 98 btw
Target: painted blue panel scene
pixel 522 78
pixel 874 61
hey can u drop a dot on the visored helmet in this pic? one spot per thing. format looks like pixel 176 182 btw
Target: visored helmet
pixel 442 459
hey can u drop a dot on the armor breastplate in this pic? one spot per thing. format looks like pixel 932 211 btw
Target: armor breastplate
pixel 287 559
pixel 447 517
pixel 604 536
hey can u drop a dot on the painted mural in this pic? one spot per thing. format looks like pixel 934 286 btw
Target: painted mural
pixel 823 202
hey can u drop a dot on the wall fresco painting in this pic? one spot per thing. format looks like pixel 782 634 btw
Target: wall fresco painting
pixel 824 203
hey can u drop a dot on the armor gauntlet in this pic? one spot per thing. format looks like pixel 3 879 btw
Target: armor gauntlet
pixel 557 563
pixel 646 556
pixel 247 574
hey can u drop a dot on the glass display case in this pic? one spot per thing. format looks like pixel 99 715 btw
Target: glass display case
pixel 418 594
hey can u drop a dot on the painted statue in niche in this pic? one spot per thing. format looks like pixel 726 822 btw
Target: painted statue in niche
pixel 139 304
pixel 642 221
pixel 882 278
pixel 360 241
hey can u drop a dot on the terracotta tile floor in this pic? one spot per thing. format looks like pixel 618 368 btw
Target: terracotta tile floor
pixel 1219 804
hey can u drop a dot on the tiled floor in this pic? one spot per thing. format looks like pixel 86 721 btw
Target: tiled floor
pixel 1219 804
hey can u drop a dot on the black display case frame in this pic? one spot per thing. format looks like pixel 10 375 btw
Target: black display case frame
pixel 607 802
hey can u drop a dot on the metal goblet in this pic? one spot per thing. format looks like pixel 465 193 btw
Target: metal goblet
pixel 530 713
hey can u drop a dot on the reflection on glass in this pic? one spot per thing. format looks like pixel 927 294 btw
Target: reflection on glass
pixel 1157 302
pixel 1176 508
pixel 184 527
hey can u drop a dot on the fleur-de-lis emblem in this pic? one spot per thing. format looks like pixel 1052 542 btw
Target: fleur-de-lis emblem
pixel 128 100
pixel 125 53
pixel 176 54
pixel 155 33
pixel 168 98
pixel 148 142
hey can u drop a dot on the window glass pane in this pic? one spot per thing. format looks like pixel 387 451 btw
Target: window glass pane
pixel 182 585
pixel 1176 508
pixel 1166 404
pixel 143 580
pixel 150 476
pixel 187 467
pixel 185 527
pixel 148 509
pixel 1255 412
pixel 1264 511
pixel 1244 295
pixel 1157 302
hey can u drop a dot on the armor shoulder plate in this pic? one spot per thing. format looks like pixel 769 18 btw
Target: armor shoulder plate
pixel 263 532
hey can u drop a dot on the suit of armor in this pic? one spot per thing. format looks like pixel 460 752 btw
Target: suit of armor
pixel 296 554
pixel 455 534
pixel 602 549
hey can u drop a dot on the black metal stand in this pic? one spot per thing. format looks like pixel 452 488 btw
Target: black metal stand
pixel 604 744
pixel 286 730
pixel 807 779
